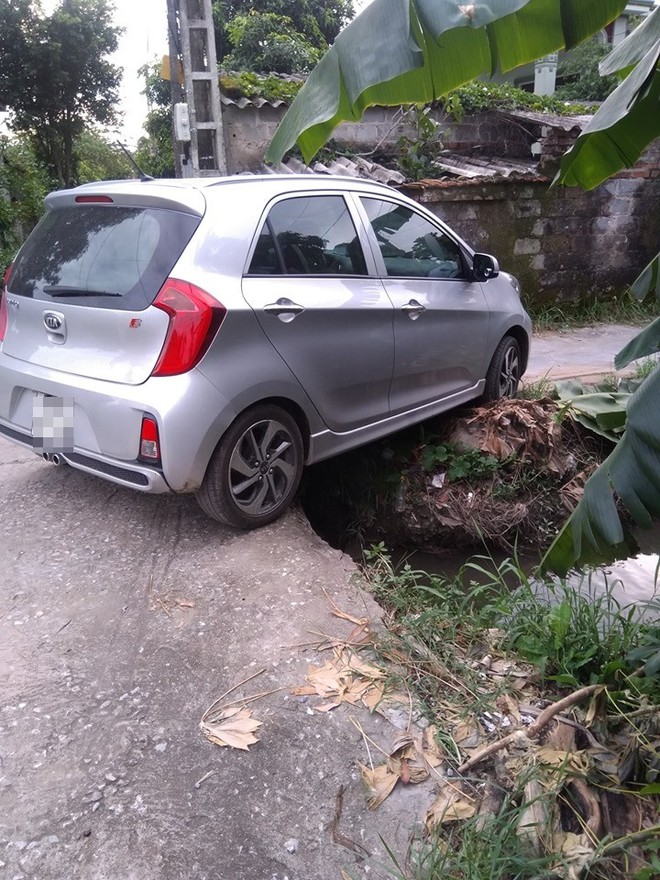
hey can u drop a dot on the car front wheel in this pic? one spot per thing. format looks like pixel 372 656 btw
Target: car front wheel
pixel 504 371
pixel 256 469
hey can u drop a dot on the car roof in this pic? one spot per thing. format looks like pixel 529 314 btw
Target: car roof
pixel 192 194
pixel 272 181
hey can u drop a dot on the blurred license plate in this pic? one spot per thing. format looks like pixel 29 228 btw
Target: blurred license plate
pixel 52 423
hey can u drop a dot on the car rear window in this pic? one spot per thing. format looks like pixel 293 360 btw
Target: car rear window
pixel 103 256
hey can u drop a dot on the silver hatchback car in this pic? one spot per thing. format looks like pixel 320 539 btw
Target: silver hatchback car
pixel 216 335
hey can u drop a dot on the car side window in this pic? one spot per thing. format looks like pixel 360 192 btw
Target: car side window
pixel 309 235
pixel 411 246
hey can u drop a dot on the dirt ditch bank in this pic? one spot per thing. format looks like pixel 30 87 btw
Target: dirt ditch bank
pixel 504 475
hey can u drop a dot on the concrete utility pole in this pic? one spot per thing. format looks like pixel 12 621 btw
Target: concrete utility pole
pixel 199 144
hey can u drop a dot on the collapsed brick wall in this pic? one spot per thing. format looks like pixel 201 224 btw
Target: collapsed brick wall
pixel 563 244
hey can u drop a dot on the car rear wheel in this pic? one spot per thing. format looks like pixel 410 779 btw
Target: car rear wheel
pixel 504 372
pixel 256 469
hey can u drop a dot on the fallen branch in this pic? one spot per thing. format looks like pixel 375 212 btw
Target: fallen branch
pixel 534 729
pixel 337 835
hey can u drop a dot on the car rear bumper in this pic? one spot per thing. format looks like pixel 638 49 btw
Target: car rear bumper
pixel 134 475
pixel 190 412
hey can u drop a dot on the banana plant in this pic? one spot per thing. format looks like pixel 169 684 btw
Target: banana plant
pixel 625 490
pixel 412 51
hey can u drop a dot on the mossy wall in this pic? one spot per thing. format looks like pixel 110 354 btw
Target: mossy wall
pixel 562 244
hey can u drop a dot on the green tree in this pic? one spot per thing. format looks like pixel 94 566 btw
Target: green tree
pixel 155 153
pixel 56 78
pixel 433 46
pixel 23 185
pixel 265 42
pixel 314 22
pixel 100 159
pixel 581 78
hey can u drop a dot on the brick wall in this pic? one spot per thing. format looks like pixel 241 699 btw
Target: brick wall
pixel 563 244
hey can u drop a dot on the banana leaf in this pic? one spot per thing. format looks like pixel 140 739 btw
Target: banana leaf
pixel 603 412
pixel 630 51
pixel 595 532
pixel 648 341
pixel 622 128
pixel 644 344
pixel 412 51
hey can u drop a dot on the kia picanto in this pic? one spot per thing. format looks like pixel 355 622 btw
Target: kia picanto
pixel 216 335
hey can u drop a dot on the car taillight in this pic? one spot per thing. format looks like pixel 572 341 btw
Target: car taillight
pixel 3 303
pixel 94 200
pixel 149 441
pixel 3 316
pixel 194 320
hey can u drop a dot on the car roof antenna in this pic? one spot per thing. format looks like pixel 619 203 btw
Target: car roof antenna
pixel 143 176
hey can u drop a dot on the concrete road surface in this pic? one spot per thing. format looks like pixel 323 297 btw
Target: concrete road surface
pixel 587 351
pixel 123 618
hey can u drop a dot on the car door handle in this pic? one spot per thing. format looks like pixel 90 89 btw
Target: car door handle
pixel 413 309
pixel 284 309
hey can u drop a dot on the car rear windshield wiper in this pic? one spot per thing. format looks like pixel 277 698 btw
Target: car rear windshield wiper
pixel 63 290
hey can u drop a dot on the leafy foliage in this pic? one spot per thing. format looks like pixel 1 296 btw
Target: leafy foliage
pixel 100 159
pixel 416 155
pixel 479 96
pixel 155 152
pixel 629 478
pixel 250 85
pixel 470 464
pixel 581 78
pixel 23 185
pixel 267 42
pixel 314 24
pixel 56 77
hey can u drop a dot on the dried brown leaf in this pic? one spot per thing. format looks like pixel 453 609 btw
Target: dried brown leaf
pixel 234 728
pixel 449 806
pixel 379 783
pixel 326 679
pixel 378 699
pixel 303 690
pixel 576 850
pixel 431 751
pixel 327 707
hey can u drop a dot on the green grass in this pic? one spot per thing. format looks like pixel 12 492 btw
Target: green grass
pixel 575 634
pixel 586 312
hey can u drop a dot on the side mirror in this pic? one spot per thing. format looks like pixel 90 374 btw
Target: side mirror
pixel 484 267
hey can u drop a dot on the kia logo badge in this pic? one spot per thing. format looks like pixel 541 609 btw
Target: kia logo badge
pixel 52 321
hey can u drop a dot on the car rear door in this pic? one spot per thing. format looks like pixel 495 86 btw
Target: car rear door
pixel 329 320
pixel 440 315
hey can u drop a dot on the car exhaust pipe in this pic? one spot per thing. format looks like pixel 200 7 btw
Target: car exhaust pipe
pixel 52 457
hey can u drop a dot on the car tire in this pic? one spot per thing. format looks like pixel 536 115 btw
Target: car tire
pixel 504 371
pixel 255 470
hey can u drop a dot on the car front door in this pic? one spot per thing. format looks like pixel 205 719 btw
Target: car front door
pixel 309 287
pixel 440 314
